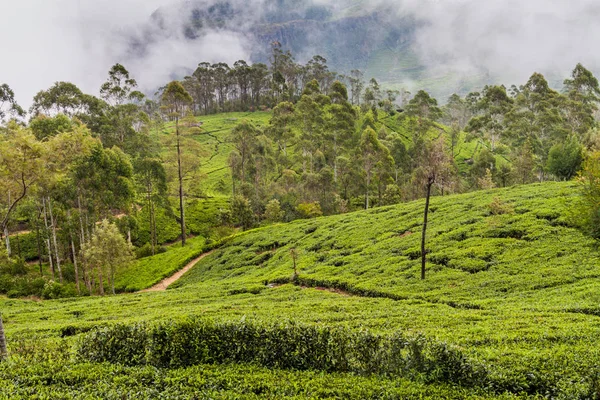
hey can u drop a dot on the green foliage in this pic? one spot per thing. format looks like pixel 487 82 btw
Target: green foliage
pixel 44 127
pixel 273 211
pixel 66 379
pixel 242 212
pixel 280 346
pixel 587 212
pixel 309 210
pixel 145 272
pixel 107 252
pixel 564 159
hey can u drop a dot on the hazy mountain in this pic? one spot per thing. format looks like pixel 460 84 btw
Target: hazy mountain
pixel 374 39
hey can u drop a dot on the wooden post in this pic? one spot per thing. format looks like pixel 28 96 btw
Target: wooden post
pixel 3 351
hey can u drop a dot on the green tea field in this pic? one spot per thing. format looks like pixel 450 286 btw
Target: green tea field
pixel 509 309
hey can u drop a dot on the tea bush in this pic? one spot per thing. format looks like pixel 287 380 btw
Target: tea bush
pixel 281 346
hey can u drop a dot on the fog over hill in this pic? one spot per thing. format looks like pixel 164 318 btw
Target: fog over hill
pixel 443 46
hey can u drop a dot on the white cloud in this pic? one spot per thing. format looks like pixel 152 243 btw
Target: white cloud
pixel 79 40
pixel 44 41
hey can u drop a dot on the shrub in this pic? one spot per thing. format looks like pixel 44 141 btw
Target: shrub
pixel 273 211
pixel 282 346
pixel 499 206
pixel 55 290
pixel 309 210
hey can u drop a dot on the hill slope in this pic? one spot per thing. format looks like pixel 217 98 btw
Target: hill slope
pixel 509 283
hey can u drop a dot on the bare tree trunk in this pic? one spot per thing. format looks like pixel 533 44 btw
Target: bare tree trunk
pixel 75 265
pixel 181 212
pixel 7 239
pixel 3 351
pixel 60 277
pixel 50 260
pixel 423 253
pixel 367 193
pixel 100 282
pixel 84 267
pixel 39 246
pixel 112 279
pixel 153 227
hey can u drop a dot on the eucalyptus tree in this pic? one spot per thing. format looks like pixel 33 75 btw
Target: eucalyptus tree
pixel 9 108
pixel 176 101
pixel 310 121
pixel 22 159
pixel 493 107
pixel 583 94
pixel 282 132
pixel 152 181
pixel 436 167
pixel 371 153
pixel 340 120
pixel 62 97
pixel 107 251
pixel 258 77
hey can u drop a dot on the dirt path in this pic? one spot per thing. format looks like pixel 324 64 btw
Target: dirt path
pixel 164 284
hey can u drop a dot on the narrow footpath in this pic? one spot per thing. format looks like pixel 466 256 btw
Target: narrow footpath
pixel 164 284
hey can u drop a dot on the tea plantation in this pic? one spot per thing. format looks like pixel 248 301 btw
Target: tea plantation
pixel 509 309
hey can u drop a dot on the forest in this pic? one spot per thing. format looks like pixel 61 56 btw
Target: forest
pixel 89 184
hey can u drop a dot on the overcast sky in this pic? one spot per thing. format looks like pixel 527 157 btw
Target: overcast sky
pixel 44 41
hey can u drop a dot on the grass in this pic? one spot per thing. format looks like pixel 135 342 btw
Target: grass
pixel 148 271
pixel 215 139
pixel 516 292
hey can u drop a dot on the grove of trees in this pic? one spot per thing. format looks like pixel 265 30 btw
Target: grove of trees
pixel 91 179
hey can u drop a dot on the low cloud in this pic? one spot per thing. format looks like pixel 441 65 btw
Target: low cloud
pixel 78 41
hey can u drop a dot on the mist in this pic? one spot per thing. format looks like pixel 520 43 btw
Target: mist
pixel 78 41
pixel 509 39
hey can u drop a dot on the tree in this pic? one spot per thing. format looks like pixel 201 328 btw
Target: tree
pixel 9 108
pixel 62 97
pixel 436 167
pixel 583 94
pixel 564 159
pixel 340 122
pixel 493 107
pixel 356 86
pixel 456 112
pixel 273 211
pixel 241 211
pixel 3 352
pixel 423 112
pixel 152 179
pixel 119 87
pixel 243 136
pixel 371 152
pixel 107 251
pixel 21 167
pixel 176 100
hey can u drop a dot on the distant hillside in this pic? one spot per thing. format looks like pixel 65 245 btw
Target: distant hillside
pixel 349 36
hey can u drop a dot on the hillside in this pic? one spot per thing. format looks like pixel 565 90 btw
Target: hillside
pixel 510 285
pixel 350 35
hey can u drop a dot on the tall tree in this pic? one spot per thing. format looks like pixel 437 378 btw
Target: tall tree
pixel 493 107
pixel 177 100
pixel 107 251
pixel 119 87
pixel 371 152
pixel 436 168
pixel 21 167
pixel 9 108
